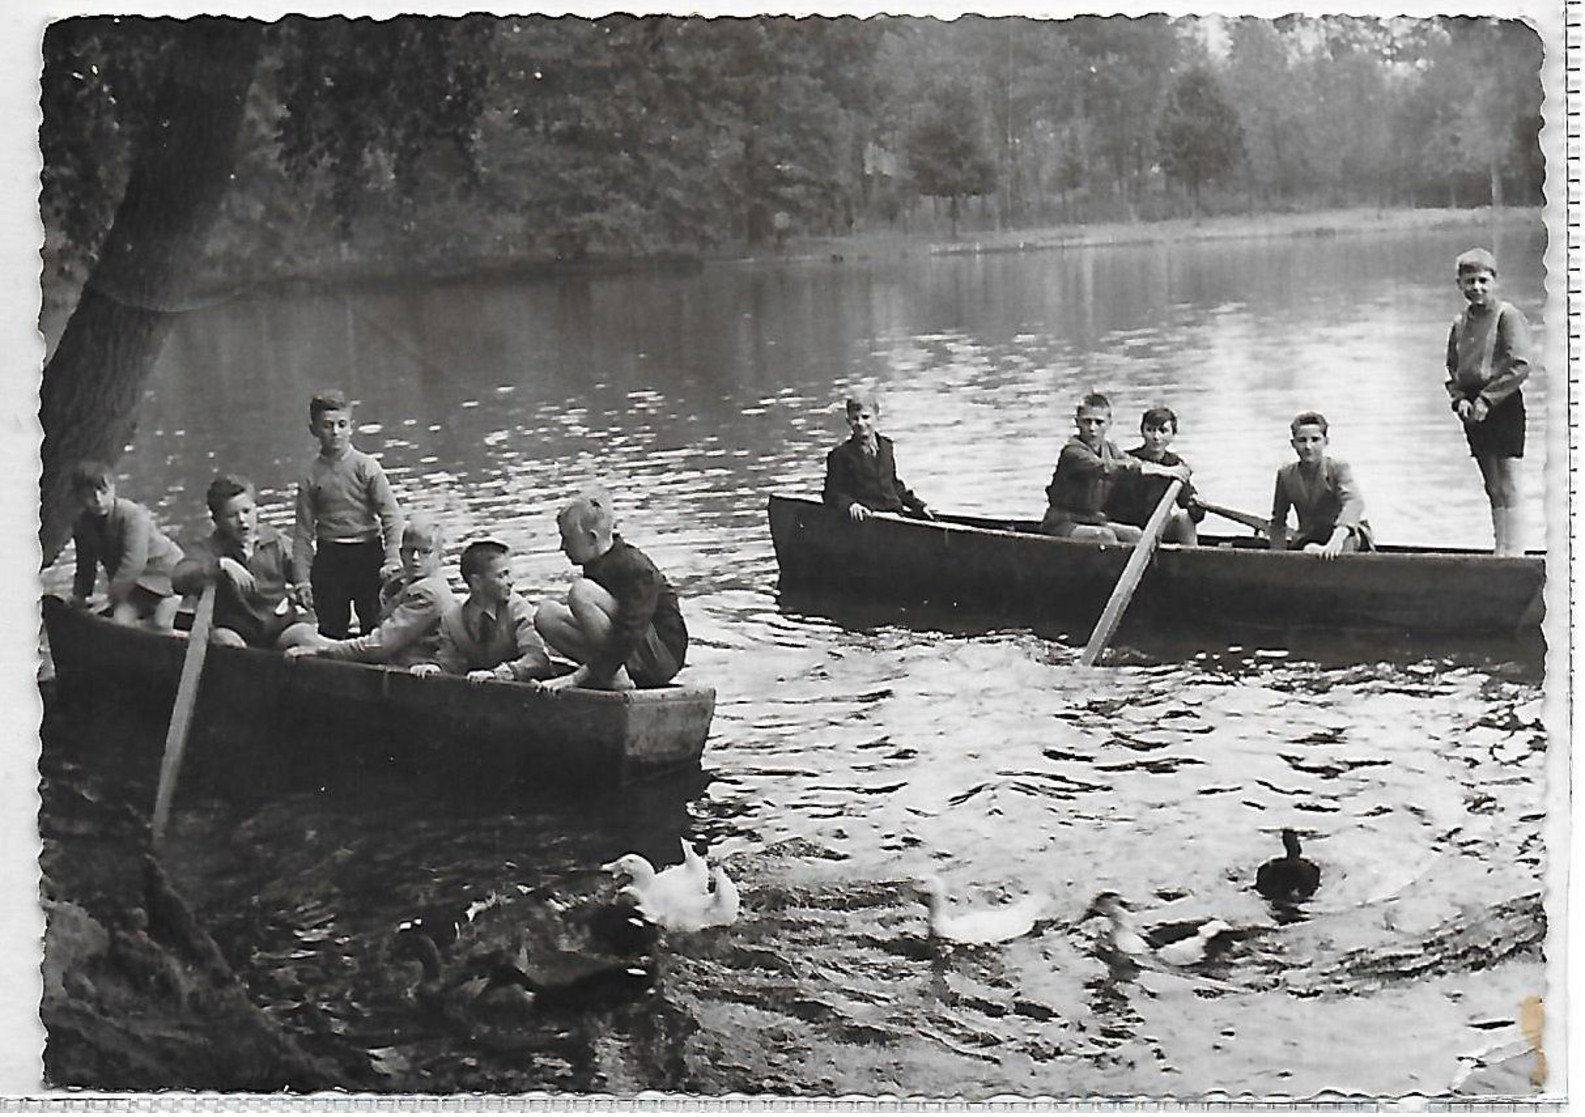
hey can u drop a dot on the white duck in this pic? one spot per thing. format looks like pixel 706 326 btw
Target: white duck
pixel 1184 943
pixel 679 898
pixel 980 926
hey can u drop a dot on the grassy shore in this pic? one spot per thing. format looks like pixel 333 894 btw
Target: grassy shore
pixel 1322 223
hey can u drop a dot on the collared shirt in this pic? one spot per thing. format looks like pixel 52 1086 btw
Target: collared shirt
pixel 1083 480
pixel 1322 500
pixel 473 638
pixel 409 628
pixel 643 598
pixel 133 550
pixel 346 500
pixel 1488 353
pixel 855 475
pixel 252 615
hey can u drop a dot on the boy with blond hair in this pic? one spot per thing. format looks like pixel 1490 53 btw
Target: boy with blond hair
pixel 620 622
pixel 409 628
pixel 348 523
pixel 1488 358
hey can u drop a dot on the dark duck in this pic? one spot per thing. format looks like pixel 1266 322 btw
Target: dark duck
pixel 1290 879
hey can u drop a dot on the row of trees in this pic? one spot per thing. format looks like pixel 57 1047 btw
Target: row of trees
pixel 564 136
pixel 292 144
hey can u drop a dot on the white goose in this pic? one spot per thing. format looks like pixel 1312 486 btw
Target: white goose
pixel 979 926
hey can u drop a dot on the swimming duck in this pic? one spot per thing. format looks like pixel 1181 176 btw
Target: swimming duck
pixel 497 987
pixel 1290 879
pixel 1181 943
pixel 981 926
pixel 686 897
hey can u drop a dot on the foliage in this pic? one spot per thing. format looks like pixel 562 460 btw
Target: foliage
pixel 1199 134
pixel 945 148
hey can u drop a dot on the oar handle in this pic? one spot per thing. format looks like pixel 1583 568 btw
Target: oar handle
pixel 1248 519
pixel 1132 573
pixel 182 711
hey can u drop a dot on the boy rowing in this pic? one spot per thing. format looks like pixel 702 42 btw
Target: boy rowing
pixel 1135 496
pixel 1088 467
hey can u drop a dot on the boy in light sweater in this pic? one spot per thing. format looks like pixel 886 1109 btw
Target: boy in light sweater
pixel 348 524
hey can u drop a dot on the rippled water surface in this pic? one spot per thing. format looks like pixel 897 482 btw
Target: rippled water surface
pixel 855 748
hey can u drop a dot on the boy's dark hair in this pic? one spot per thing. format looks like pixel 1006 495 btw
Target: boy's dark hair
pixel 92 476
pixel 331 399
pixel 225 487
pixel 478 554
pixel 1095 402
pixel 1158 417
pixel 854 404
pixel 1307 419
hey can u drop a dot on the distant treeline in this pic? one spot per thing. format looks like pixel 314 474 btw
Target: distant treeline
pixel 538 137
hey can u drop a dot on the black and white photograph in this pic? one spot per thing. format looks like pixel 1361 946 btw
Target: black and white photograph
pixel 860 557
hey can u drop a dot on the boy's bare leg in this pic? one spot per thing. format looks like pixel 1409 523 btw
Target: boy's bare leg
pixel 125 612
pixel 164 618
pixel 1501 476
pixel 226 638
pixel 593 610
pixel 1124 533
pixel 557 626
pixel 1181 529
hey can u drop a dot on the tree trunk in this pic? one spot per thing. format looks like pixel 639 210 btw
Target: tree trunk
pixel 180 171
pixel 1496 184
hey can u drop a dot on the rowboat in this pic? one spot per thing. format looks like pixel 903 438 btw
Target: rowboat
pixel 1007 566
pixel 262 714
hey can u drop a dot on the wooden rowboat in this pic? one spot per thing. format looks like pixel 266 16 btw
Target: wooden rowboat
pixel 261 713
pixel 1009 567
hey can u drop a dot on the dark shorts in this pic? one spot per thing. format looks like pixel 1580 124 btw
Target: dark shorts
pixel 652 662
pixel 146 600
pixel 1501 433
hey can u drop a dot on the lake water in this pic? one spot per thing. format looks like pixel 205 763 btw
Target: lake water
pixel 851 751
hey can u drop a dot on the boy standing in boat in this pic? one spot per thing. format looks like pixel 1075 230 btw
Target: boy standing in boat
pixel 861 473
pixel 121 535
pixel 1135 496
pixel 1488 358
pixel 1087 468
pixel 491 634
pixel 620 622
pixel 251 564
pixel 348 523
pixel 409 628
pixel 1322 494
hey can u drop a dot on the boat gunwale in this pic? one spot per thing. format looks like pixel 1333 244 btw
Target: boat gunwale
pixel 1027 530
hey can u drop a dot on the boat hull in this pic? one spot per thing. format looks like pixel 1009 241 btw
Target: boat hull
pixel 1009 567
pixel 259 714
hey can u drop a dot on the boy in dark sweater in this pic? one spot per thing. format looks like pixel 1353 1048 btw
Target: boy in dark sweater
pixel 620 622
pixel 861 474
pixel 1135 495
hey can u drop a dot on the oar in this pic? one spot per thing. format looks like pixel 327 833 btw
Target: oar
pixel 1123 593
pixel 182 712
pixel 1248 519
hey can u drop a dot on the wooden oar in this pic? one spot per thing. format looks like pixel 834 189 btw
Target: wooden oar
pixel 1248 519
pixel 1123 593
pixel 182 712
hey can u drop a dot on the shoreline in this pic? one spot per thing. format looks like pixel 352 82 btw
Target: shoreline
pixel 876 247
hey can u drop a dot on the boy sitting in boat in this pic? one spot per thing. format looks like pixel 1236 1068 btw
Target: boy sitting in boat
pixel 491 634
pixel 1087 468
pixel 409 628
pixel 861 473
pixel 1322 494
pixel 138 558
pixel 1135 496
pixel 251 566
pixel 620 622
pixel 1488 358
pixel 348 523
